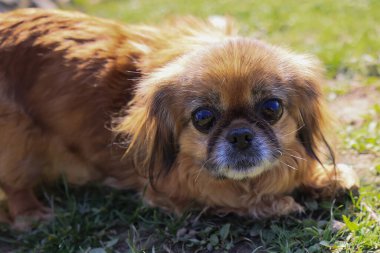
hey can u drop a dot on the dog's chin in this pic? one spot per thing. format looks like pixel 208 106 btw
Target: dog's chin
pixel 235 173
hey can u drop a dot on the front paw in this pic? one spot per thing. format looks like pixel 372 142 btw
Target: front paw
pixel 25 220
pixel 287 205
pixel 275 207
pixel 346 178
pixel 333 182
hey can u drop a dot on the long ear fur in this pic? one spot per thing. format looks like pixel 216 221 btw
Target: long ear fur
pixel 165 143
pixel 312 128
pixel 313 118
pixel 151 132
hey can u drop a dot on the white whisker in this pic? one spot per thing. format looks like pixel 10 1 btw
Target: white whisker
pixel 288 165
pixel 296 157
pixel 200 170
pixel 279 152
pixel 293 131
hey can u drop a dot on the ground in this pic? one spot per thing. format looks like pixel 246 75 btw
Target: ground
pixel 345 36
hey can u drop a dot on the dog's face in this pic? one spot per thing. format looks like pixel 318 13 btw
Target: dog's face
pixel 237 109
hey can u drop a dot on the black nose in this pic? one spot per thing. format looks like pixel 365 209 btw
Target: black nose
pixel 240 137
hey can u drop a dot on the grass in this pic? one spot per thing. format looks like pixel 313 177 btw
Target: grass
pixel 118 222
pixel 345 36
pixel 365 139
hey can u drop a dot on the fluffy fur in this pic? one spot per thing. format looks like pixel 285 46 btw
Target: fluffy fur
pixel 99 101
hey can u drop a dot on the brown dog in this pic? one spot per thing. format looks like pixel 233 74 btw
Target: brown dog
pixel 199 114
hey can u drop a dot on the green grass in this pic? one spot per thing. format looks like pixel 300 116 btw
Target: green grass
pixel 345 36
pixel 118 222
pixel 366 138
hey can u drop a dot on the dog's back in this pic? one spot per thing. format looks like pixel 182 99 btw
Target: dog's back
pixel 62 76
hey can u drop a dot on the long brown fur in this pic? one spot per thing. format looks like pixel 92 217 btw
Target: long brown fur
pixel 99 101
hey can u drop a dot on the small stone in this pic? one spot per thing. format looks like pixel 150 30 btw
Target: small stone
pixel 336 226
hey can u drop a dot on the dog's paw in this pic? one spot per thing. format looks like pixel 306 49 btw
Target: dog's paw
pixel 25 220
pixel 287 205
pixel 275 207
pixel 330 181
pixel 346 178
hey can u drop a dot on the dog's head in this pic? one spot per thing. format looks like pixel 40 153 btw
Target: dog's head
pixel 235 108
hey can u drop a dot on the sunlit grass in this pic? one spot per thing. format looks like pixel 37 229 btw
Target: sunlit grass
pixel 366 138
pixel 343 34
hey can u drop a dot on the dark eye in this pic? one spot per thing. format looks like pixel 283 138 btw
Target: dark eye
pixel 271 110
pixel 203 119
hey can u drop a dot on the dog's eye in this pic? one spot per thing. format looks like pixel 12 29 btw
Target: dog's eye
pixel 271 110
pixel 203 119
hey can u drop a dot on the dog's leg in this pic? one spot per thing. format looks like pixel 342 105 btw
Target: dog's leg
pixel 274 206
pixel 24 207
pixel 22 161
pixel 265 207
pixel 327 181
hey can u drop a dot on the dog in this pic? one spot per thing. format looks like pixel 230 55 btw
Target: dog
pixel 189 114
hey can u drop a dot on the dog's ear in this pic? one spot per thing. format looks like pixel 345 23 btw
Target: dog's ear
pixel 312 125
pixel 150 129
pixel 164 144
pixel 313 118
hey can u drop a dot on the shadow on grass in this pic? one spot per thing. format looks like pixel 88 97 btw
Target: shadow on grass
pixel 98 219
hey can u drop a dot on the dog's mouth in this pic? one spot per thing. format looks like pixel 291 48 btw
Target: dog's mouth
pixel 240 169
